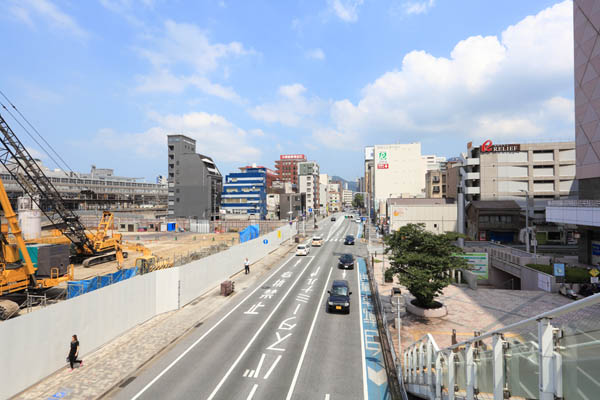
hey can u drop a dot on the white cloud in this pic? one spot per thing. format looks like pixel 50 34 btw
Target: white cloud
pixel 213 133
pixel 418 7
pixel 316 54
pixel 509 86
pixel 291 108
pixel 32 11
pixel 346 10
pixel 183 57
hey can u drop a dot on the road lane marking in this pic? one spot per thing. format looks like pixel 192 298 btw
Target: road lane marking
pixel 235 363
pixel 302 297
pixel 260 363
pixel 164 371
pixel 246 373
pixel 327 396
pixel 312 326
pixel 362 338
pixel 279 340
pixel 297 262
pixel 344 275
pixel 251 394
pixel 253 308
pixel 296 310
pixel 272 367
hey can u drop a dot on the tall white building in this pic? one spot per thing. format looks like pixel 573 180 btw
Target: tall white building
pixel 347 197
pixel 399 171
pixel 309 183
pixel 323 193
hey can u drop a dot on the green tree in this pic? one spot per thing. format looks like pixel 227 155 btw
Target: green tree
pixel 421 260
pixel 358 201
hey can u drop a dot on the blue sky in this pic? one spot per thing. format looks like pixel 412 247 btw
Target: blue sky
pixel 105 81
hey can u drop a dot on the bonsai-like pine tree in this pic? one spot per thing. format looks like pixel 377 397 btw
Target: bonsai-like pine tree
pixel 421 260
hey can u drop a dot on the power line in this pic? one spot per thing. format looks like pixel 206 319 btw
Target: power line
pixel 37 132
pixel 31 136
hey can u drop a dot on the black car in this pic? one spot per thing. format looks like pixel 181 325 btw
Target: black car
pixel 349 240
pixel 333 218
pixel 346 261
pixel 339 297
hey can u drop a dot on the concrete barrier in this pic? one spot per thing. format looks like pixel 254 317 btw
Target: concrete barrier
pixel 35 345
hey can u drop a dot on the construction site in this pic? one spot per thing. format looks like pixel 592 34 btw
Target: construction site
pixel 55 247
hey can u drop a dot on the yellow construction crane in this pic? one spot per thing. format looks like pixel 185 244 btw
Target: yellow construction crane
pixel 18 273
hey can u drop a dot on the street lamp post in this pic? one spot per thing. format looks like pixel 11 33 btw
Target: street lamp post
pixel 526 219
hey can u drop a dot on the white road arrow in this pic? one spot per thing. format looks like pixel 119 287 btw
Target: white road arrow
pixel 377 377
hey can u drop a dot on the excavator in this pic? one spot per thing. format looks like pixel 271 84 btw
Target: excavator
pixel 17 271
pixel 88 249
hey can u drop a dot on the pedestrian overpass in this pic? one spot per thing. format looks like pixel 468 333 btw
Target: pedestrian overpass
pixel 554 355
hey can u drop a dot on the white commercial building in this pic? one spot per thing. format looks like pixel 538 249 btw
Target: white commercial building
pixel 347 197
pixel 323 193
pixel 399 171
pixel 335 201
pixel 438 215
pixel 309 185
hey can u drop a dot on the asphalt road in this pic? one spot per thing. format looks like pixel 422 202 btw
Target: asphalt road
pixel 276 341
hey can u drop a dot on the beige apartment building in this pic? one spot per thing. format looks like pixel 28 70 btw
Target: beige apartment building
pixel 509 171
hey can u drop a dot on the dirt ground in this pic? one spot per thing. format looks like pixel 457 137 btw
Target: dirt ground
pixel 162 244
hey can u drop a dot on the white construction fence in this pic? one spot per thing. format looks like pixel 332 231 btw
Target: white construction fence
pixel 35 345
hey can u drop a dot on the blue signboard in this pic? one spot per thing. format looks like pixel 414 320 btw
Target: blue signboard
pixel 266 241
pixel 559 269
pixel 310 209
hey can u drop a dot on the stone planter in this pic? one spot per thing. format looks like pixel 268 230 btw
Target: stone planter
pixel 426 312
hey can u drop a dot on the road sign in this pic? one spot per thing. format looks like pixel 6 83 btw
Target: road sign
pixel 266 241
pixel 594 272
pixel 310 209
pixel 594 279
pixel 559 269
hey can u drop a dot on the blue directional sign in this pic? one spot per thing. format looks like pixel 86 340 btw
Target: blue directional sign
pixel 559 269
pixel 266 241
pixel 309 209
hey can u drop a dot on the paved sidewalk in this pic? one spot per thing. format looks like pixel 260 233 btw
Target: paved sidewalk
pixel 108 366
pixel 484 309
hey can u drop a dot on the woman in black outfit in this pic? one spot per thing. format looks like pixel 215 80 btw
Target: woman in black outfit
pixel 74 352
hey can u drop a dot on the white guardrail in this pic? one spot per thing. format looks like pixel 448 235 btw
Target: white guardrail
pixel 558 362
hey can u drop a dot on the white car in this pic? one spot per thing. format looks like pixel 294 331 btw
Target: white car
pixel 357 220
pixel 317 241
pixel 302 250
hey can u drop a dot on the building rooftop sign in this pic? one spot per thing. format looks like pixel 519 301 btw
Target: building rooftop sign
pixel 489 147
pixel 292 157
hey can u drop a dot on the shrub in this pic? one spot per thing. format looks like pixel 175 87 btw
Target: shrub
pixel 572 274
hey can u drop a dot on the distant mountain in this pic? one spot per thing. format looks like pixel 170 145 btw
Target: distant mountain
pixel 351 185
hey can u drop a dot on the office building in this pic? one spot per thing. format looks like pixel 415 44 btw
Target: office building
pixel 584 214
pixel 509 171
pixel 347 196
pixel 308 182
pixel 323 193
pixel 287 167
pixel 399 171
pixel 291 205
pixel 369 176
pixel 271 175
pixel 245 194
pixel 433 162
pixel 195 183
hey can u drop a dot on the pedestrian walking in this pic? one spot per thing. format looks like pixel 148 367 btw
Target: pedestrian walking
pixel 74 353
pixel 247 266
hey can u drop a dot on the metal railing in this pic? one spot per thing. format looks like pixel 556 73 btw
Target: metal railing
pixel 553 355
pixel 574 203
